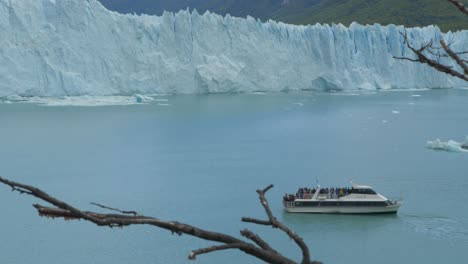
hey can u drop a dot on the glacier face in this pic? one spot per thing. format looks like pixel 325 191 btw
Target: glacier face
pixel 77 47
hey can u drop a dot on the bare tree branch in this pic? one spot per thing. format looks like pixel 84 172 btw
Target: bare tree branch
pixel 193 255
pixel 30 190
pixel 455 57
pixel 460 6
pixel 255 238
pixel 422 58
pixel 443 55
pixel 260 249
pixel 115 209
pixel 435 51
pixel 256 221
pixel 273 221
pixel 405 58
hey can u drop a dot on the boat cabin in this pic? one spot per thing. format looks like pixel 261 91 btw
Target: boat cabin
pixel 320 193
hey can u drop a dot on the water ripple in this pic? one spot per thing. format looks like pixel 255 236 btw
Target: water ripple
pixel 438 227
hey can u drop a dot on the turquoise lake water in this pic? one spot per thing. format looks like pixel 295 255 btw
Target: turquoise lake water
pixel 199 159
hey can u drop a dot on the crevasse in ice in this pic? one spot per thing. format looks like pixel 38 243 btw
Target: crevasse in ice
pixel 77 47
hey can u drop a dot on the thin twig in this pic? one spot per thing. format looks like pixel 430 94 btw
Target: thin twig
pixel 193 255
pixel 115 209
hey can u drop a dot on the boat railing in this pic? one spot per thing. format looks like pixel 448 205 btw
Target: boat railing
pixel 330 195
pixel 288 204
pixel 306 196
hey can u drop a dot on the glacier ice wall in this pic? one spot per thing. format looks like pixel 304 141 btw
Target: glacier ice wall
pixel 77 47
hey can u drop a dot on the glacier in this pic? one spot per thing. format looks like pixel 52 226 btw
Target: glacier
pixel 78 48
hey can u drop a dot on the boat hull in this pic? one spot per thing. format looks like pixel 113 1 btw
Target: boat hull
pixel 345 210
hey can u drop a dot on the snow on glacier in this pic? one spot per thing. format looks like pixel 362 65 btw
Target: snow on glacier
pixel 77 47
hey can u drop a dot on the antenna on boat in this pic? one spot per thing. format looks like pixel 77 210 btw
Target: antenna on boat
pixel 317 181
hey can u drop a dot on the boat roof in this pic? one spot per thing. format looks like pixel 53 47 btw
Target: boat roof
pixel 357 186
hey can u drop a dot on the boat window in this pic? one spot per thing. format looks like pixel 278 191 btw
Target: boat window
pixel 363 191
pixel 340 203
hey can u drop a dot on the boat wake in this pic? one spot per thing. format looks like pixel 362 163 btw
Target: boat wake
pixel 449 146
pixel 438 227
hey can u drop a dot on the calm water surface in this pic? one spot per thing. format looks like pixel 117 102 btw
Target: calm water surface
pixel 200 159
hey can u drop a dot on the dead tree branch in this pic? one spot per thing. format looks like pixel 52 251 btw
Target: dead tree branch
pixel 255 238
pixel 454 56
pixel 273 221
pixel 193 255
pixel 460 6
pixel 261 249
pixel 115 209
pixel 429 47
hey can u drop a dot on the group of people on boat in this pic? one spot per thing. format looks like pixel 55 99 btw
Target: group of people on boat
pixel 308 193
pixel 289 197
pixel 334 193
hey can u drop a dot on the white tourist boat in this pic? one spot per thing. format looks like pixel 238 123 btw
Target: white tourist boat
pixel 358 199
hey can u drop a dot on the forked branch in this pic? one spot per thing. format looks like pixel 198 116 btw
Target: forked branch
pixel 429 47
pixel 273 221
pixel 435 51
pixel 454 56
pixel 260 249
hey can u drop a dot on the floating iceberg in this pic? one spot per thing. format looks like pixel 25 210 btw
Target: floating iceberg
pixel 450 146
pixel 77 47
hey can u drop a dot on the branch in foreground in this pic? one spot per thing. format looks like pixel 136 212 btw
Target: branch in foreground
pixel 460 6
pixel 115 209
pixel 455 57
pixel 255 238
pixel 261 249
pixel 193 255
pixel 272 221
pixel 428 47
pixel 421 58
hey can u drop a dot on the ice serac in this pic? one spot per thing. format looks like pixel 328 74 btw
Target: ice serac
pixel 77 47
